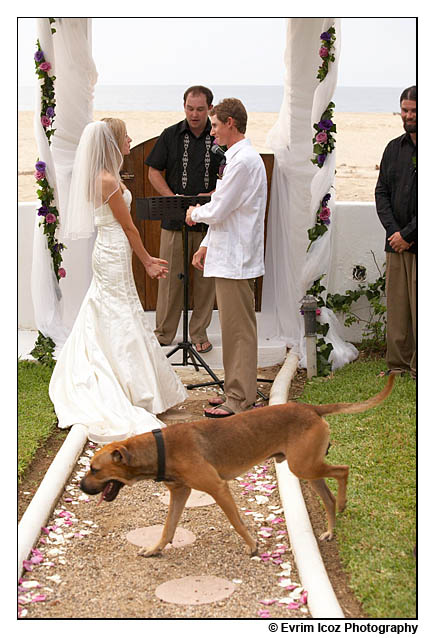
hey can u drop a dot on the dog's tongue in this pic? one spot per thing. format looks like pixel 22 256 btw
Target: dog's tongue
pixel 105 491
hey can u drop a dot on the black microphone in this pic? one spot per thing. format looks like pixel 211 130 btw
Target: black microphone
pixel 218 150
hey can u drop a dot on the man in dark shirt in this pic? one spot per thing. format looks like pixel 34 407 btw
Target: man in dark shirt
pixel 183 151
pixel 396 201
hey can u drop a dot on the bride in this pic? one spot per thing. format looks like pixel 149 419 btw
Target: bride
pixel 111 375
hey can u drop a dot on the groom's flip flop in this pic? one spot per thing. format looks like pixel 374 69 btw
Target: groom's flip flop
pixel 209 412
pixel 201 349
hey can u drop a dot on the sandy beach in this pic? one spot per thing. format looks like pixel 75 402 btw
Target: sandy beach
pixel 360 141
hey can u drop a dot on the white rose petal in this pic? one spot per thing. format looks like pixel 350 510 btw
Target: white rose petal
pixel 286 566
pixel 29 584
pixel 286 582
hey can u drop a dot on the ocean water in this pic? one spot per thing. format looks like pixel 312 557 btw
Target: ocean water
pixel 262 99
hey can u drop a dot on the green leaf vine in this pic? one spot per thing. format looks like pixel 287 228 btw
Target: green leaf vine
pixel 323 349
pixel 43 350
pixel 374 332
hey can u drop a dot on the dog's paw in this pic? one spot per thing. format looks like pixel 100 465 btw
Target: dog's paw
pixel 327 536
pixel 253 552
pixel 146 552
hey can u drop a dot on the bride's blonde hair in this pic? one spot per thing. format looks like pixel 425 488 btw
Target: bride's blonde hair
pixel 97 153
pixel 118 128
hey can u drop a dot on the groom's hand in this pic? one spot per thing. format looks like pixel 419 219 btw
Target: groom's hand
pixel 188 219
pixel 199 257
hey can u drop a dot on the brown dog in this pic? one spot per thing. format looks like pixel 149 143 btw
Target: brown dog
pixel 204 455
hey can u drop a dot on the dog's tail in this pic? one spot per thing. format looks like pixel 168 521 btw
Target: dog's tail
pixel 354 408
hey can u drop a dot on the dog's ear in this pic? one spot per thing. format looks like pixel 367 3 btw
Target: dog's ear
pixel 121 455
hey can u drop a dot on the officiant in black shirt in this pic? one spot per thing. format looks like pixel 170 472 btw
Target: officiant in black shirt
pixel 397 207
pixel 183 151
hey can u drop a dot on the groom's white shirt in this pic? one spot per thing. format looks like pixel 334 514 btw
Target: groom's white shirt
pixel 235 215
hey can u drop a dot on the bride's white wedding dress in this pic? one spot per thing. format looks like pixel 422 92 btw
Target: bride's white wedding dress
pixel 111 374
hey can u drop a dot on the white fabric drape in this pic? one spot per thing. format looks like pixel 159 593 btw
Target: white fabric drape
pixel 298 186
pixel 69 53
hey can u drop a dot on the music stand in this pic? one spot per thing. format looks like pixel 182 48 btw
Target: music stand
pixel 174 208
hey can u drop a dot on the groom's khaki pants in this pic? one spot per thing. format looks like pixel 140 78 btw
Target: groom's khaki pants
pixel 235 300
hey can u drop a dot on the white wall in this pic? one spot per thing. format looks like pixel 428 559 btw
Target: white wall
pixel 356 232
pixel 26 223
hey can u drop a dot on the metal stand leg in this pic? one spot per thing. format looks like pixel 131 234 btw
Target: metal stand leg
pixel 190 354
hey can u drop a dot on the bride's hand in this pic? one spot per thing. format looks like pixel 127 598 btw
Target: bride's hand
pixel 157 268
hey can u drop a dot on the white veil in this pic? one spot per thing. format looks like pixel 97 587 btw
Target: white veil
pixel 97 154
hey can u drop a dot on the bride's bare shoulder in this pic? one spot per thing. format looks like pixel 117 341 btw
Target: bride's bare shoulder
pixel 109 184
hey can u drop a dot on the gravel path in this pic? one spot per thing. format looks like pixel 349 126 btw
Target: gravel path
pixel 90 570
pixel 84 567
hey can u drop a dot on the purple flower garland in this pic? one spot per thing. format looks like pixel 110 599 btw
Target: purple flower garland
pixel 47 211
pixel 322 221
pixel 323 140
pixel 323 144
pixel 325 53
pixel 49 218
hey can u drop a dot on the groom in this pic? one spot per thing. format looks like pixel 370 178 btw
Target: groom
pixel 232 252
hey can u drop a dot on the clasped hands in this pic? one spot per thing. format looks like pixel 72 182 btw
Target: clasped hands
pixel 188 218
pixel 397 243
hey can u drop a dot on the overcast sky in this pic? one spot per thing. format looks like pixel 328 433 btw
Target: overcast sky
pixel 375 51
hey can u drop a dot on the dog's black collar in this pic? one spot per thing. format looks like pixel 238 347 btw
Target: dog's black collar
pixel 160 454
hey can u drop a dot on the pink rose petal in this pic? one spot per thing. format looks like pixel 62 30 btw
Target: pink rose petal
pixel 268 601
pixel 23 600
pixel 36 559
pixel 263 613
